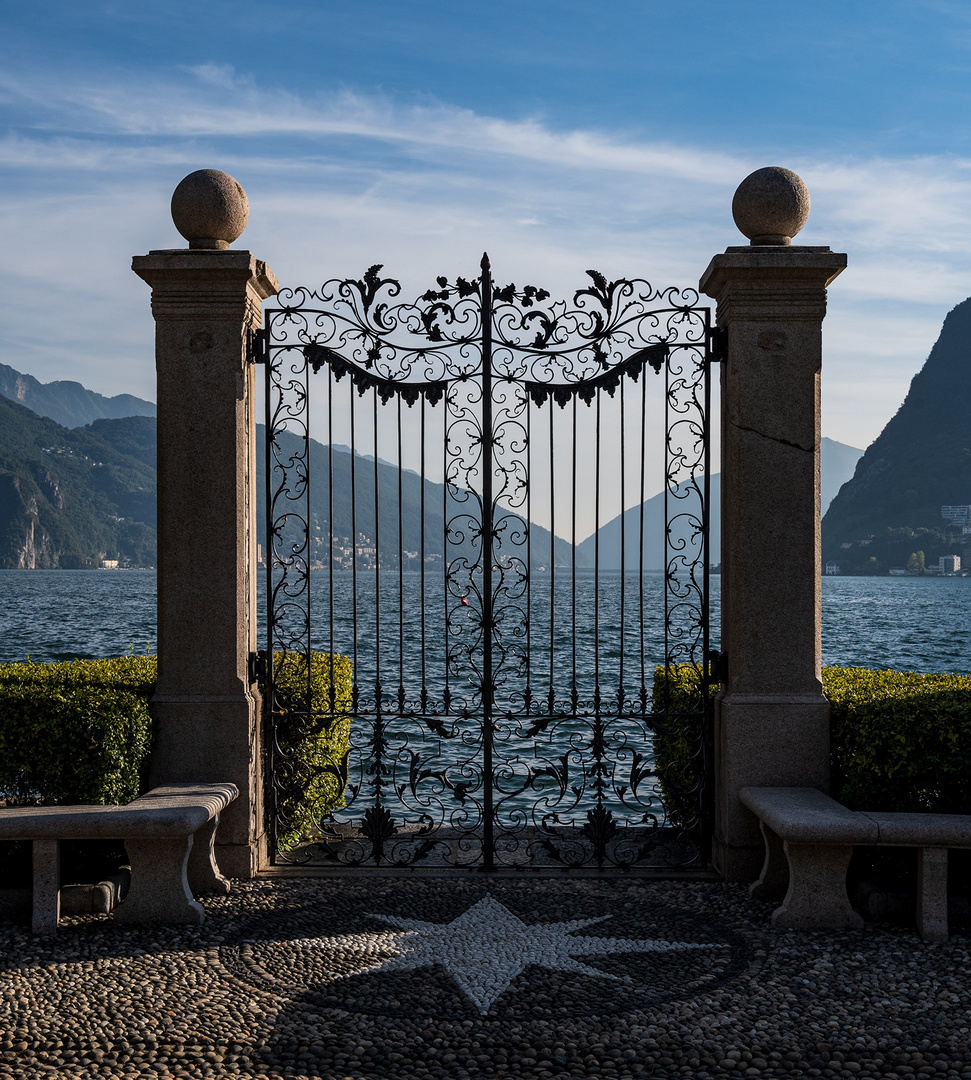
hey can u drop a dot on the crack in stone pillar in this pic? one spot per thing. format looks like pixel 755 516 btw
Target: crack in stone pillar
pixel 771 718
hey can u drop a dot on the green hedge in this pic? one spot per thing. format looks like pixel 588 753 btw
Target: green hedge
pixel 679 744
pixel 75 732
pixel 81 732
pixel 312 743
pixel 899 740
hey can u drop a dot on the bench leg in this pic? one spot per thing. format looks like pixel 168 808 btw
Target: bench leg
pixel 204 876
pixel 774 879
pixel 817 898
pixel 932 894
pixel 47 883
pixel 159 891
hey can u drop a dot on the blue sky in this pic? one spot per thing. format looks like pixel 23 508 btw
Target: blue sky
pixel 557 135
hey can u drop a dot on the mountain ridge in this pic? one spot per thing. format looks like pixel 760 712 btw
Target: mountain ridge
pixel 68 403
pixel 921 461
pixel 56 512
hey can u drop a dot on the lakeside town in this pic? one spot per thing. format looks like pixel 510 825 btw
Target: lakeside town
pixel 957 520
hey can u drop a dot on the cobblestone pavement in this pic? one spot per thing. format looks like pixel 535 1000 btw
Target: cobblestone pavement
pixel 465 977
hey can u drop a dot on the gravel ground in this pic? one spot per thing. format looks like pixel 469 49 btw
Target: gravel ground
pixel 360 978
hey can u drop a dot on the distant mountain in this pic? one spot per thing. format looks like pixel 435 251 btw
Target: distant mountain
pixel 381 526
pixel 627 527
pixel 72 495
pixel 836 464
pixel 837 461
pixel 69 497
pixel 68 403
pixel 920 462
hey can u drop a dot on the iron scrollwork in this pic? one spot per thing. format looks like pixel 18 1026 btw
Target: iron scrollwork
pixel 492 753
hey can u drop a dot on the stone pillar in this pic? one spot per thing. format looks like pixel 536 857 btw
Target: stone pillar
pixel 206 299
pixel 771 719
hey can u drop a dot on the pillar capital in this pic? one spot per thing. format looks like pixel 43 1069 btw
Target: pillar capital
pixel 198 284
pixel 763 284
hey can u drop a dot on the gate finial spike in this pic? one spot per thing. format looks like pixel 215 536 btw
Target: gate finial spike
pixel 485 264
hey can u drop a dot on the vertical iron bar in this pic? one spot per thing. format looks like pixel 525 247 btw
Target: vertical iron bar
pixel 488 554
pixel 356 683
pixel 640 536
pixel 378 700
pixel 308 682
pixel 401 576
pixel 529 554
pixel 377 556
pixel 445 490
pixel 330 526
pixel 667 521
pixel 707 810
pixel 269 695
pixel 552 694
pixel 597 746
pixel 421 556
pixel 623 552
pixel 596 557
pixel 573 559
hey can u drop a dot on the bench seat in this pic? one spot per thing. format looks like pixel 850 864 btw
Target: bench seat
pixel 809 840
pixel 169 835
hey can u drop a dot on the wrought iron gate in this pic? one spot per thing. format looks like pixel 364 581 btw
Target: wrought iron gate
pixel 453 676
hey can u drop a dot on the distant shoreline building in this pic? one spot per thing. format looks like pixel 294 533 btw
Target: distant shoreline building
pixel 956 515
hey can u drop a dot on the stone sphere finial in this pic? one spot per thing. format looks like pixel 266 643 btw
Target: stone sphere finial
pixel 210 209
pixel 771 206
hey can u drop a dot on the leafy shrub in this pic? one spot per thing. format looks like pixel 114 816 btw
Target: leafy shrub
pixel 682 743
pixel 81 732
pixel 900 740
pixel 75 732
pixel 312 739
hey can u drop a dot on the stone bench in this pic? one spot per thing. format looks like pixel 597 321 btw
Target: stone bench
pixel 169 835
pixel 809 839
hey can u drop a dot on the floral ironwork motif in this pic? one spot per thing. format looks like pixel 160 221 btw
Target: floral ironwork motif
pixel 502 710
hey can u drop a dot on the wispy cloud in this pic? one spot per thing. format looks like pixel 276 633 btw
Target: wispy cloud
pixel 339 181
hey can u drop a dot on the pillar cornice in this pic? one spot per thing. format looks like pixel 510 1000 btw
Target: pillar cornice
pixel 765 284
pixel 220 285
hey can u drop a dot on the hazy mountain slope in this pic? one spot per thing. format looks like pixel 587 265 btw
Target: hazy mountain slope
pixel 837 462
pixel 68 403
pixel 836 465
pixel 383 525
pixel 920 461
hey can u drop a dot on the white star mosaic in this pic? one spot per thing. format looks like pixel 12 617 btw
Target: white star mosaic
pixel 487 947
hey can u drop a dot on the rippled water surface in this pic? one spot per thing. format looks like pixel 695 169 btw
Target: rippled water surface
pixel 914 624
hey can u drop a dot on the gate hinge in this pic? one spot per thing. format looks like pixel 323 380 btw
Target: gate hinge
pixel 718 344
pixel 256 346
pixel 717 666
pixel 257 666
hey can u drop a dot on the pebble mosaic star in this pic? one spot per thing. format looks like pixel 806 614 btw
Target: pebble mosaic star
pixel 487 947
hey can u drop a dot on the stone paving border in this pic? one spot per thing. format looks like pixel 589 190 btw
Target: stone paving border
pixel 272 985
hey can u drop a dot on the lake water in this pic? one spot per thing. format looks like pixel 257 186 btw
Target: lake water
pixel 916 624
pixel 908 624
